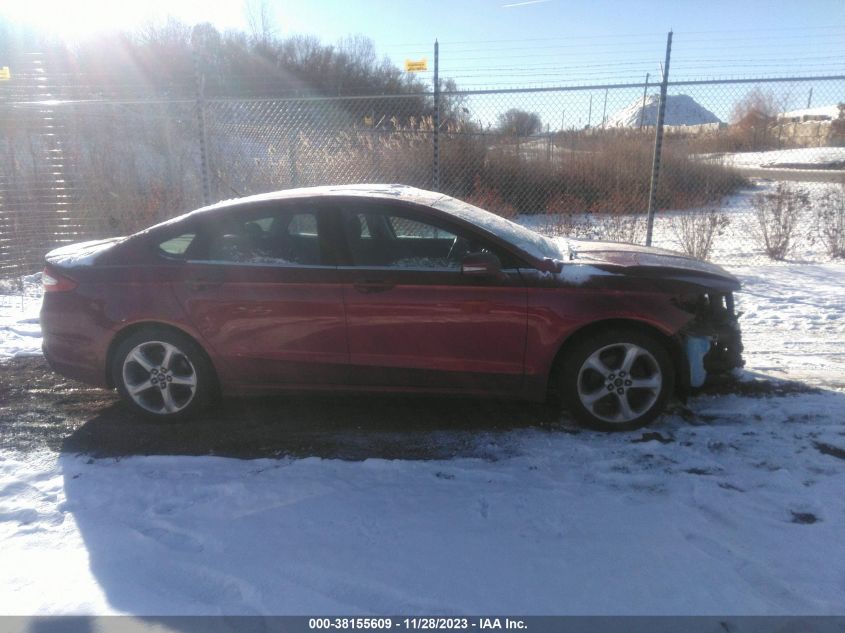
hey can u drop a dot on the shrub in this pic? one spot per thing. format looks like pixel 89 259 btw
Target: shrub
pixel 561 220
pixel 778 215
pixel 622 228
pixel 830 221
pixel 695 230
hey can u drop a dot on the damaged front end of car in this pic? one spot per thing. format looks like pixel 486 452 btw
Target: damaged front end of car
pixel 712 340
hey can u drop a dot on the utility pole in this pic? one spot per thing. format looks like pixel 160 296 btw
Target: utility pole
pixel 199 78
pixel 810 98
pixel 658 142
pixel 436 134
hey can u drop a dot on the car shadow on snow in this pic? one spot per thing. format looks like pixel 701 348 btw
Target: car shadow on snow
pixel 350 427
pixel 358 427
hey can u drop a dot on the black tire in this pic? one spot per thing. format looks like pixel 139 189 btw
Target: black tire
pixel 595 365
pixel 144 374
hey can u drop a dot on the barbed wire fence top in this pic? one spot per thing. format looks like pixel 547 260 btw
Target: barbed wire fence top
pixel 574 160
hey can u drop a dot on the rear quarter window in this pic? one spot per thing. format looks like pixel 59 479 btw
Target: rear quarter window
pixel 177 247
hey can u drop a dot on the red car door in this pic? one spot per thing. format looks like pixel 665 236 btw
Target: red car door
pixel 413 318
pixel 262 288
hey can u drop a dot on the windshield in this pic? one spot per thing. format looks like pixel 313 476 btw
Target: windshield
pixel 525 239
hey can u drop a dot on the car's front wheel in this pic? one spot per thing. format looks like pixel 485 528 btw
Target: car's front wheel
pixel 162 374
pixel 617 380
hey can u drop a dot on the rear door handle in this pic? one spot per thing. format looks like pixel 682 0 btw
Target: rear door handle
pixel 370 287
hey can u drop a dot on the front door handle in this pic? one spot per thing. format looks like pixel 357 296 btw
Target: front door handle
pixel 370 287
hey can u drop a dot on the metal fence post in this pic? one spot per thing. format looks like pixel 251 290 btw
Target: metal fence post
pixel 604 110
pixel 436 134
pixel 642 109
pixel 203 139
pixel 293 157
pixel 658 143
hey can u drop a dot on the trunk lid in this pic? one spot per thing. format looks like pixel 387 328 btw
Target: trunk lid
pixel 80 254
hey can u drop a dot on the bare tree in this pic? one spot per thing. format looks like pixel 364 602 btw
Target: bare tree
pixel 758 102
pixel 259 17
pixel 754 118
pixel 516 122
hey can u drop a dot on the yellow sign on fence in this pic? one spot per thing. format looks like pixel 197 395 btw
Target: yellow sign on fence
pixel 413 66
pixel 5 75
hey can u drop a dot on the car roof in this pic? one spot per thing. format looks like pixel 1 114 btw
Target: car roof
pixel 439 202
pixel 383 191
pixel 394 192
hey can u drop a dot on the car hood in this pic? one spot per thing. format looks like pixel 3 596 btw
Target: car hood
pixel 633 261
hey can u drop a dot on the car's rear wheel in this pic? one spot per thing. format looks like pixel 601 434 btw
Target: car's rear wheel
pixel 162 374
pixel 617 380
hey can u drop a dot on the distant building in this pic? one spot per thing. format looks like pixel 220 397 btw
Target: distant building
pixel 821 113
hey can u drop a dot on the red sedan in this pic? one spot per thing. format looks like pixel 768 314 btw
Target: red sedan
pixel 383 288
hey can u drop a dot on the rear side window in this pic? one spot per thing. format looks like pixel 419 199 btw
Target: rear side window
pixel 177 247
pixel 275 238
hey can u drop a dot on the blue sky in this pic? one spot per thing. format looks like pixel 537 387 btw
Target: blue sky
pixel 530 43
pixel 530 40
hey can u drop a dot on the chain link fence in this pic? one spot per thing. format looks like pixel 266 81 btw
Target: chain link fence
pixel 746 175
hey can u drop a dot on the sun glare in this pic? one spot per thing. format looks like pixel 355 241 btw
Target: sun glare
pixel 84 18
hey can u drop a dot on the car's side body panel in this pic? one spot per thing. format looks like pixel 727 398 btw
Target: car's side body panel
pixel 434 329
pixel 269 325
pixel 556 314
pixel 79 327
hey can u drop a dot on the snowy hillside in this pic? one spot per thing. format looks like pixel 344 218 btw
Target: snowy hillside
pixel 680 110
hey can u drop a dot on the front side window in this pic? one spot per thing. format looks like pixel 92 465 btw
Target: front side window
pixel 405 228
pixel 280 238
pixel 406 240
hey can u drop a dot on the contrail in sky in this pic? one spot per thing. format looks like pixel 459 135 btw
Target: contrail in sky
pixel 522 4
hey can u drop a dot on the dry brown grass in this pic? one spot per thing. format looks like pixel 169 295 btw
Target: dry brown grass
pixel 134 168
pixel 612 176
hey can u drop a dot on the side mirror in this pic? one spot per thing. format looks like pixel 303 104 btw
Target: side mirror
pixel 483 264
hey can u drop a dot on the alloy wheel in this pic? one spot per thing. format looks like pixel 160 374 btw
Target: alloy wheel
pixel 619 383
pixel 159 377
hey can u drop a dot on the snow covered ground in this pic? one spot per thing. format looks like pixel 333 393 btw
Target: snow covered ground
pixel 739 513
pixel 801 158
pixel 20 332
pixel 793 322
pixel 731 505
